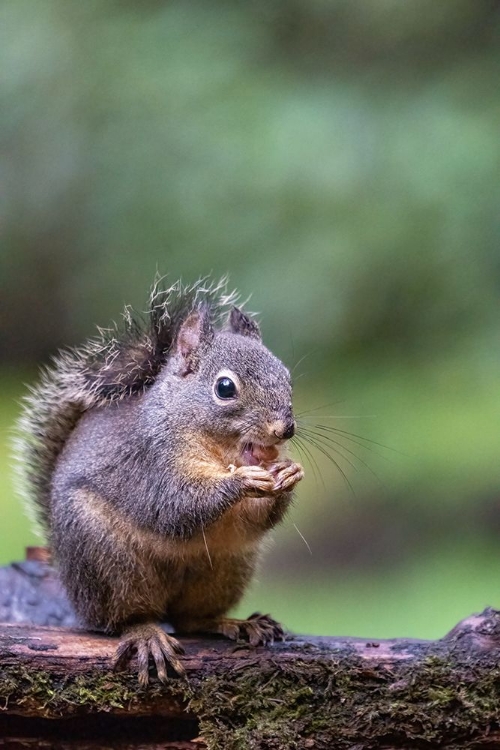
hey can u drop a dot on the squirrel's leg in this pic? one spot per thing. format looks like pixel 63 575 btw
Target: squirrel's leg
pixel 223 583
pixel 208 596
pixel 261 630
pixel 114 579
pixel 147 640
pixel 258 630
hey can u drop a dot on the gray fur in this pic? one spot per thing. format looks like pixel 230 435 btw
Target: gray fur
pixel 117 445
pixel 111 366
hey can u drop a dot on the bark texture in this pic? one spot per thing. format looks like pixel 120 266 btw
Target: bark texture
pixel 58 690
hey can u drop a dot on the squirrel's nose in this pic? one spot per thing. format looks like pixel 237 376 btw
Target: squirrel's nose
pixel 287 433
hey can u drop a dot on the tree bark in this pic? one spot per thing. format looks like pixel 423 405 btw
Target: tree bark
pixel 58 690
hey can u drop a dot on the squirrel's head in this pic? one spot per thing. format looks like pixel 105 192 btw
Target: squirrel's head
pixel 231 384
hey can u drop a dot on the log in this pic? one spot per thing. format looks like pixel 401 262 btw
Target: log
pixel 58 689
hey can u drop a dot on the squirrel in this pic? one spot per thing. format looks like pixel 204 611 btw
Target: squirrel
pixel 155 459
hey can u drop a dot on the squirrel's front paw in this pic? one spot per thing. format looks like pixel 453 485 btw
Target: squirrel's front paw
pixel 149 640
pixel 286 475
pixel 256 479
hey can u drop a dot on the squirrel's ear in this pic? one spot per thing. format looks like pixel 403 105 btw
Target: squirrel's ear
pixel 195 333
pixel 243 324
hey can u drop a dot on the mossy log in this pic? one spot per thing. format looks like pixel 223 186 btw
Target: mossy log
pixel 58 689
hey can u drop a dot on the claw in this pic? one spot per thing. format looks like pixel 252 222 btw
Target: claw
pixel 258 630
pixel 149 640
pixel 256 478
pixel 288 476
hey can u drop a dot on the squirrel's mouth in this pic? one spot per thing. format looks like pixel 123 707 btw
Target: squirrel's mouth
pixel 254 454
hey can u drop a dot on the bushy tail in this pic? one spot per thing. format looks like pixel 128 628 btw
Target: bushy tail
pixel 118 362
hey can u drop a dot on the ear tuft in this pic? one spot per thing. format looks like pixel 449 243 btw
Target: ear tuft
pixel 243 324
pixel 195 334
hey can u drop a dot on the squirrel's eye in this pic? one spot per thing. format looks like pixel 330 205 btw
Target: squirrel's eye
pixel 225 388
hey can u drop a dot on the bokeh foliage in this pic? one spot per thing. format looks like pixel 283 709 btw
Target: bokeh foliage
pixel 340 159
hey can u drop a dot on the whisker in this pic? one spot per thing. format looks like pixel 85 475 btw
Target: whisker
pixel 304 356
pixel 303 538
pixel 317 408
pixel 299 448
pixel 330 458
pixel 351 435
pixel 327 441
pixel 342 416
pixel 341 447
pixel 299 441
pixel 355 442
pixel 361 445
pixel 326 433
pixel 206 546
pixel 311 459
pixel 318 476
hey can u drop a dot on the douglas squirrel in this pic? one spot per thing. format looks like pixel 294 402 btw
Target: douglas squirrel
pixel 155 457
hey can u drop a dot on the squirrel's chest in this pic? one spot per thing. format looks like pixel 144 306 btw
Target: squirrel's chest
pixel 238 531
pixel 241 526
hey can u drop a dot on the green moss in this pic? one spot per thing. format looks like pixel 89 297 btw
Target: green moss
pixel 340 703
pixel 52 695
pixel 337 701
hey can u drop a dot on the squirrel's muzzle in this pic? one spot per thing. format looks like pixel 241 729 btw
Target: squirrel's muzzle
pixel 283 430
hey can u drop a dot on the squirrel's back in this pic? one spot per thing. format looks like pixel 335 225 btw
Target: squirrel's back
pixel 114 365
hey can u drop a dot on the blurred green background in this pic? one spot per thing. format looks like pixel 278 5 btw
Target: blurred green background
pixel 341 160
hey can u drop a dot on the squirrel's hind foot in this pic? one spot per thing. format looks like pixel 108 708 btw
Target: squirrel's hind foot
pixel 258 630
pixel 149 641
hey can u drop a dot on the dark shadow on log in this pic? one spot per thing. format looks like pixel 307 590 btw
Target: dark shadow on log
pixel 58 690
